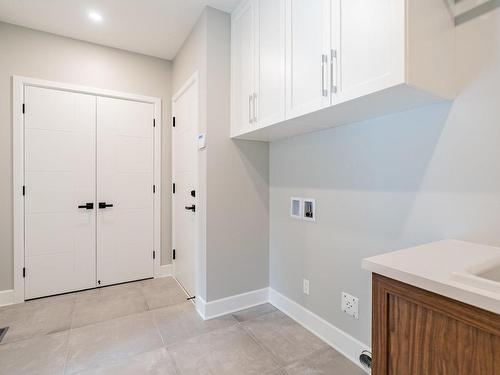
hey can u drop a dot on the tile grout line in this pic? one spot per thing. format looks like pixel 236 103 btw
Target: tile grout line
pixel 69 336
pixel 261 345
pixel 280 365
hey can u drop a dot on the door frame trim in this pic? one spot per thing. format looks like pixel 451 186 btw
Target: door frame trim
pixel 193 80
pixel 18 85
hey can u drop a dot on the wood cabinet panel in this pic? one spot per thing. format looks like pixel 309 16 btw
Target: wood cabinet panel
pixel 416 332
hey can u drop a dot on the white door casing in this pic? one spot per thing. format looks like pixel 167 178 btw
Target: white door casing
pixel 125 181
pixel 68 117
pixel 60 176
pixel 185 177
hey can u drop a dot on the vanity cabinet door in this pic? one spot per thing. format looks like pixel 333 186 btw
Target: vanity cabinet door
pixel 417 332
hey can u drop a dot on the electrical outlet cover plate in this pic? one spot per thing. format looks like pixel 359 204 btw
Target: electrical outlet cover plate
pixel 305 286
pixel 350 305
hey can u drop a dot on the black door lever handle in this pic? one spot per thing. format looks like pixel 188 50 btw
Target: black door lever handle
pixel 87 206
pixel 104 205
pixel 191 208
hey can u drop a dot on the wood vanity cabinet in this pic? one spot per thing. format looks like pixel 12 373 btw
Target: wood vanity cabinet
pixel 416 332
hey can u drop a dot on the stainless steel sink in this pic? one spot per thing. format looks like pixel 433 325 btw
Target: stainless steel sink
pixel 484 276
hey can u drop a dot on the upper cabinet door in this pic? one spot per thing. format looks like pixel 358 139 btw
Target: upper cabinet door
pixel 270 62
pixel 372 36
pixel 308 34
pixel 243 68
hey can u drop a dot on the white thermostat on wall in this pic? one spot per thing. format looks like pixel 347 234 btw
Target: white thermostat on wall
pixel 202 141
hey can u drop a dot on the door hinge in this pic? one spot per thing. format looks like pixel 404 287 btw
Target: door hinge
pixel 173 188
pixel 173 121
pixel 154 254
pixel 173 254
pixel 24 190
pixel 24 108
pixel 24 271
pixel 154 189
pixel 154 123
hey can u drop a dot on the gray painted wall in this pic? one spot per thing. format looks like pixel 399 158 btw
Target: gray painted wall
pixel 40 55
pixel 237 183
pixel 234 217
pixel 389 183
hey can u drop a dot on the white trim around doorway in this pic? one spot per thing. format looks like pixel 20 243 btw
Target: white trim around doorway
pixel 18 85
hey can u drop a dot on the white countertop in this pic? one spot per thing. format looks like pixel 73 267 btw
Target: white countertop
pixel 432 266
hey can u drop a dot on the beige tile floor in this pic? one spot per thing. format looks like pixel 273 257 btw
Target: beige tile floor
pixel 147 327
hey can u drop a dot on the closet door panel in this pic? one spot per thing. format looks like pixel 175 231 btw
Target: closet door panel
pixel 59 176
pixel 125 180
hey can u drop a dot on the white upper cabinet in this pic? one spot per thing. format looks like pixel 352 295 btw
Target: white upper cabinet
pixel 307 49
pixel 243 67
pixel 372 37
pixel 270 66
pixel 345 61
pixel 258 65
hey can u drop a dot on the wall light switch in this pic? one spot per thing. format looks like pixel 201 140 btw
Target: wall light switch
pixel 202 141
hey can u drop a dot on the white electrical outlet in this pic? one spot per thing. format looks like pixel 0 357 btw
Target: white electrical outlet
pixel 350 305
pixel 305 286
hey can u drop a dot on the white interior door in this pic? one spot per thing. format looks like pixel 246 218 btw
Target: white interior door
pixel 185 177
pixel 307 56
pixel 59 177
pixel 125 181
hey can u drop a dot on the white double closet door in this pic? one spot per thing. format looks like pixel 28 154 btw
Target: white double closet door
pixel 89 191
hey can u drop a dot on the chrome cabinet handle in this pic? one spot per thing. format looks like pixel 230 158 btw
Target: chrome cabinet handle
pixel 333 71
pixel 324 60
pixel 254 107
pixel 250 117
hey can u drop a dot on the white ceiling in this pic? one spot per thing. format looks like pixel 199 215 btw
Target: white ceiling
pixel 152 27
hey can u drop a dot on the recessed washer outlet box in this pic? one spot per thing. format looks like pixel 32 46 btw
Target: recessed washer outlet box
pixel 309 209
pixel 296 208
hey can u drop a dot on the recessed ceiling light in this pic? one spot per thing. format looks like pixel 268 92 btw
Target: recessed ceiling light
pixel 95 16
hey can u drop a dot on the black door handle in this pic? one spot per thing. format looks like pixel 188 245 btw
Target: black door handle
pixel 104 205
pixel 192 208
pixel 87 206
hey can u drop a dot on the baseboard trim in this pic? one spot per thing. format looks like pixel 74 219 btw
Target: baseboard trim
pixel 165 270
pixel 6 297
pixel 228 305
pixel 341 341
